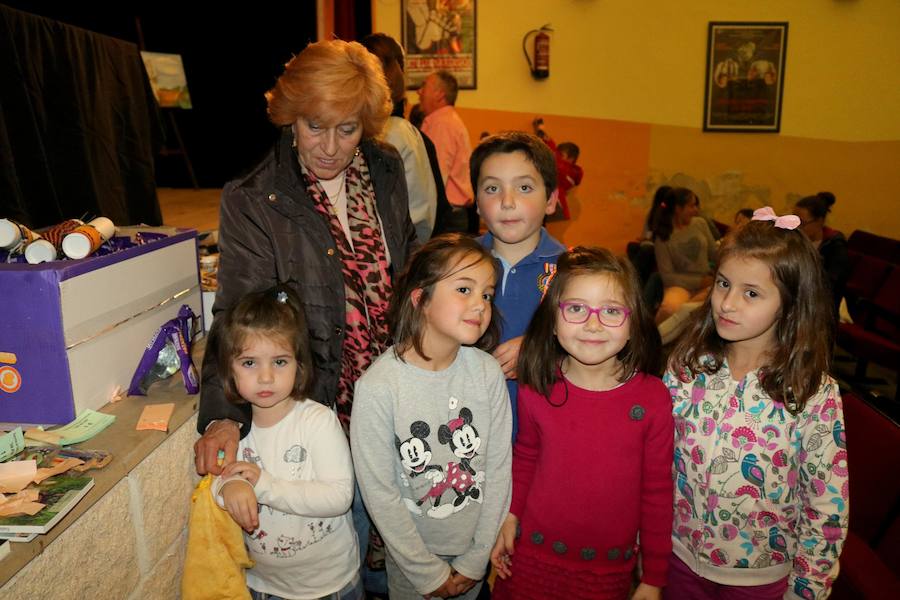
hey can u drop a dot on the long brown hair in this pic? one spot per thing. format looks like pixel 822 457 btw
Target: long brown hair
pixel 805 327
pixel 541 352
pixel 663 214
pixel 441 257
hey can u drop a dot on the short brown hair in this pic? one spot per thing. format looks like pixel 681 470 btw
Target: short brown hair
pixel 507 142
pixel 276 313
pixel 805 327
pixel 541 353
pixel 438 259
pixel 449 85
pixel 328 81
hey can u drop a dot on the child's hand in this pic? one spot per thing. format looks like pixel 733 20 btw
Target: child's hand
pixel 463 583
pixel 647 592
pixel 504 547
pixel 507 354
pixel 247 470
pixel 240 502
pixel 448 589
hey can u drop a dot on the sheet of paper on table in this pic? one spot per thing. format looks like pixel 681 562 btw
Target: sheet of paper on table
pixel 156 416
pixel 11 444
pixel 86 425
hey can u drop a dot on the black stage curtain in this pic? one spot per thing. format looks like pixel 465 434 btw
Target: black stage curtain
pixel 79 127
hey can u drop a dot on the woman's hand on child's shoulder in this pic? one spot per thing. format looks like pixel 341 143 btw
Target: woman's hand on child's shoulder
pixel 240 502
pixel 647 592
pixel 504 547
pixel 247 470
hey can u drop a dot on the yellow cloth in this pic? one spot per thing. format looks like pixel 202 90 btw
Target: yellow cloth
pixel 216 556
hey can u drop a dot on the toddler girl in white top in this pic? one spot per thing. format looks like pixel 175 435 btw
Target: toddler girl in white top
pixel 292 486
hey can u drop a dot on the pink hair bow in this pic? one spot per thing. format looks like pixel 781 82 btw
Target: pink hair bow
pixel 783 222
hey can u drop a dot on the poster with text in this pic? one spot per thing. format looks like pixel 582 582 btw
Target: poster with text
pixel 744 77
pixel 439 34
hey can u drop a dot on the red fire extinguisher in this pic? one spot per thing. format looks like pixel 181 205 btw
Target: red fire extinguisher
pixel 540 67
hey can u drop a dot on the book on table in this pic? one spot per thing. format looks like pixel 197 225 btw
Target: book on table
pixel 17 537
pixel 60 494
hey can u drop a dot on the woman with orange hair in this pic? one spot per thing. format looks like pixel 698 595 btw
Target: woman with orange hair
pixel 326 213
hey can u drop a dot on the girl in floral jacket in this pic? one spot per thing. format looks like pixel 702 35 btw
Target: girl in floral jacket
pixel 761 498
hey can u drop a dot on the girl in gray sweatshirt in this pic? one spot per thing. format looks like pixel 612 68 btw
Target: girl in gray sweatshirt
pixel 431 425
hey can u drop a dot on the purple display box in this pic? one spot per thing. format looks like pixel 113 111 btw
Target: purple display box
pixel 73 331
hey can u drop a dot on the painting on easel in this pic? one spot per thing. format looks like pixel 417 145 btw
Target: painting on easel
pixel 167 78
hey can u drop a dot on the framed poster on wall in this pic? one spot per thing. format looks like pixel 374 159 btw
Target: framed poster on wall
pixel 744 76
pixel 439 35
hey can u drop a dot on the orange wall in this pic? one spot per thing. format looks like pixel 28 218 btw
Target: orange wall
pixel 625 162
pixel 626 85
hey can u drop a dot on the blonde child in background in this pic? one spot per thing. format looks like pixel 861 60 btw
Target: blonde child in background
pixel 292 486
pixel 592 461
pixel 760 454
pixel 431 425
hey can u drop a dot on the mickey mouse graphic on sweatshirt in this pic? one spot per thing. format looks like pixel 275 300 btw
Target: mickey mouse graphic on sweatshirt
pixel 433 456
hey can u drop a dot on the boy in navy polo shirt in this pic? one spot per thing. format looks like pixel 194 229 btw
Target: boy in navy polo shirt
pixel 514 179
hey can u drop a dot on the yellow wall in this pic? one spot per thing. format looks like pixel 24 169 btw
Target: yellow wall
pixel 627 81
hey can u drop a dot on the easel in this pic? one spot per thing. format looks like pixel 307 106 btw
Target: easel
pixel 166 149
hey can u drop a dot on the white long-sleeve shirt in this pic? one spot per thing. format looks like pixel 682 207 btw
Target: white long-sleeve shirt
pixel 305 546
pixel 401 134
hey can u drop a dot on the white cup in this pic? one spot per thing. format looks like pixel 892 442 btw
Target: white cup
pixel 39 251
pixel 10 235
pixel 106 227
pixel 86 239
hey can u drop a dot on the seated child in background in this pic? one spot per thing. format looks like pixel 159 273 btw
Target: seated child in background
pixel 568 173
pixel 295 460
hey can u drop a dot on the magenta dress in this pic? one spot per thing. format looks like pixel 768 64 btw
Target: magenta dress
pixel 591 471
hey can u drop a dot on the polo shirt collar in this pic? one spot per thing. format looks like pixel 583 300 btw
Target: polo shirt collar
pixel 547 248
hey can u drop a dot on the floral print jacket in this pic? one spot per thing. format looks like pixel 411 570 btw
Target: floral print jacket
pixel 760 494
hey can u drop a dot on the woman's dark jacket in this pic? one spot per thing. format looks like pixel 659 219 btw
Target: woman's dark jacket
pixel 270 232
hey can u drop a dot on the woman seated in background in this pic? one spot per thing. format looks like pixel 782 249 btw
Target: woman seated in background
pixel 685 251
pixel 831 243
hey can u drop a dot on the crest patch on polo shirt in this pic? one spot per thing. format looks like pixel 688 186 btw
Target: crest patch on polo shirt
pixel 544 279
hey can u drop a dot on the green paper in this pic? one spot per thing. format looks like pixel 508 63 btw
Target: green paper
pixel 11 444
pixel 86 425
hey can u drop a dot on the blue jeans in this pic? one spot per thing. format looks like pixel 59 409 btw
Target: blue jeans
pixel 373 581
pixel 351 591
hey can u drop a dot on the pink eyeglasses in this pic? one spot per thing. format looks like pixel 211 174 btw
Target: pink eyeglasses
pixel 609 315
